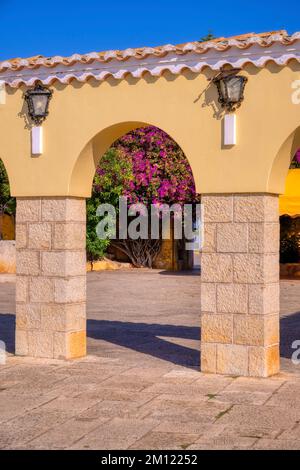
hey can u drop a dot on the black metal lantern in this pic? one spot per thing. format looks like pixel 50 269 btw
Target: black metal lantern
pixel 37 100
pixel 230 88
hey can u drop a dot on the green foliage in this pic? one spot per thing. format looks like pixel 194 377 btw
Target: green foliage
pixel 114 172
pixel 289 240
pixel 208 37
pixel 95 247
pixel 289 249
pixel 7 203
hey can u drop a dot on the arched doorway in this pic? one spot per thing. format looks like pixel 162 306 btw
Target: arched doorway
pixel 136 324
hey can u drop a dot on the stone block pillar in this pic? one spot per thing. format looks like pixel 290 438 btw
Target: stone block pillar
pixel 51 277
pixel 240 285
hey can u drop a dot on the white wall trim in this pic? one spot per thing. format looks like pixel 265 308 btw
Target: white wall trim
pixel 229 129
pixel 36 140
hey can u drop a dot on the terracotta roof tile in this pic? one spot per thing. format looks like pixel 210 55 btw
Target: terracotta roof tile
pixel 258 49
pixel 243 41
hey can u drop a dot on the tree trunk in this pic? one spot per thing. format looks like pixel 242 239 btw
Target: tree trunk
pixel 142 253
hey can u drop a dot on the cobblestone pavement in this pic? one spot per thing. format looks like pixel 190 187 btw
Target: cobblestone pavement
pixel 140 386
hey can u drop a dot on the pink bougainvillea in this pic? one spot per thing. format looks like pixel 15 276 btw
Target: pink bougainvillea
pixel 160 172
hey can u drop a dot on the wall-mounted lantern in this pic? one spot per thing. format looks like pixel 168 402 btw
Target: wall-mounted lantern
pixel 230 87
pixel 37 100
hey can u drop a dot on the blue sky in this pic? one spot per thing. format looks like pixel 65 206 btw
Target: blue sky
pixel 29 28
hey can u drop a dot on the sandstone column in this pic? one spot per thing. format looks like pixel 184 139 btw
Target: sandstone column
pixel 51 277
pixel 240 285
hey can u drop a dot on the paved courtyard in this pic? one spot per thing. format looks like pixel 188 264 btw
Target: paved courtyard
pixel 140 386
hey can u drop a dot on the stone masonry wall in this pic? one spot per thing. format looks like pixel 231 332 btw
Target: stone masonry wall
pixel 51 277
pixel 240 285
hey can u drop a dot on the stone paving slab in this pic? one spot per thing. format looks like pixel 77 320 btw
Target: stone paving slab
pixel 224 443
pixel 116 434
pixel 164 441
pixel 140 385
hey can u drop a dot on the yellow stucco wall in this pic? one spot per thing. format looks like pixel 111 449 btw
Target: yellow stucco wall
pixel 86 118
pixel 289 203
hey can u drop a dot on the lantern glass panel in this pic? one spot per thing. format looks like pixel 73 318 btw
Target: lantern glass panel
pixel 234 89
pixel 223 89
pixel 39 102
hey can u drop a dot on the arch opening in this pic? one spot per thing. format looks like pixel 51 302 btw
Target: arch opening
pixel 145 167
pixel 133 312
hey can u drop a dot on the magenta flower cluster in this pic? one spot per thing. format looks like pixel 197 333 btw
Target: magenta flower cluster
pixel 160 172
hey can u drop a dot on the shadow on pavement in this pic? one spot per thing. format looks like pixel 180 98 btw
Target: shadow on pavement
pixel 149 339
pixel 191 272
pixel 152 339
pixel 7 331
pixel 289 332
